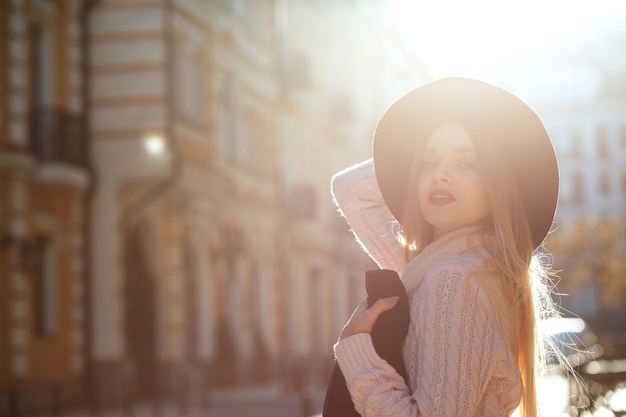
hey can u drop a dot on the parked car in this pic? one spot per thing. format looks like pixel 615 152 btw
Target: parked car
pixel 572 340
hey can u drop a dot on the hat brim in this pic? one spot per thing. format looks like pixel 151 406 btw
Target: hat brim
pixel 516 131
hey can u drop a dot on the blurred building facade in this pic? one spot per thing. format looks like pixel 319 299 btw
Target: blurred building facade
pixel 44 187
pixel 584 113
pixel 166 216
pixel 589 134
pixel 583 105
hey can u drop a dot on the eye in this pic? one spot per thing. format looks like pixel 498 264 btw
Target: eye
pixel 467 163
pixel 428 160
pixel 429 163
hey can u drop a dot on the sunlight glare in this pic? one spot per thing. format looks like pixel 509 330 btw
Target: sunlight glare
pixel 553 395
pixel 618 399
pixel 554 326
pixel 456 35
pixel 154 144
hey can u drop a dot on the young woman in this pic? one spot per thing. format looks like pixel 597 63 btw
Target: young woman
pixel 461 191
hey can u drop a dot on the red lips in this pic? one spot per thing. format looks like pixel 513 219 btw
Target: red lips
pixel 440 197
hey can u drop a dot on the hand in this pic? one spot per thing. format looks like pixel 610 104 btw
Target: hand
pixel 363 318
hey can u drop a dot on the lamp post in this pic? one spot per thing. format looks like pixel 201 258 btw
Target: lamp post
pixel 154 145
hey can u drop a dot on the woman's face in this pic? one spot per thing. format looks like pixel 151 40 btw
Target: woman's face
pixel 451 192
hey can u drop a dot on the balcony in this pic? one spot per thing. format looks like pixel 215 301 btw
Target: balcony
pixel 58 136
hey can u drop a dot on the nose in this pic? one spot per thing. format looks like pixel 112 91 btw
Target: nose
pixel 441 174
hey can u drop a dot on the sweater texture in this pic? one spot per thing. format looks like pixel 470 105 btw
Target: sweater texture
pixel 457 351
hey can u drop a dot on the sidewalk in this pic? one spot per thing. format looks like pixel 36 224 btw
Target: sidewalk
pixel 265 401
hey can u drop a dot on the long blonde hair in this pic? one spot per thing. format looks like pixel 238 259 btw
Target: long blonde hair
pixel 514 270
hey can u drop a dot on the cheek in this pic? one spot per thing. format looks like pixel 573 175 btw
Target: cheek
pixel 483 202
pixel 476 192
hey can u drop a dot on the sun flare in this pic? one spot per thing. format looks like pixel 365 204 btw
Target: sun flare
pixel 456 36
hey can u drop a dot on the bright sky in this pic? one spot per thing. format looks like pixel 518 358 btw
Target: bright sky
pixel 469 37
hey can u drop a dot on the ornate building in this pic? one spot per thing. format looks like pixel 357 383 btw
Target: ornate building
pixel 197 247
pixel 587 122
pixel 44 186
pixel 582 102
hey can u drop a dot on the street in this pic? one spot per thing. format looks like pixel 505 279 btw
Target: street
pixel 272 401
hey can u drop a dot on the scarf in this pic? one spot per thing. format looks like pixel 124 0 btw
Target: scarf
pixel 456 242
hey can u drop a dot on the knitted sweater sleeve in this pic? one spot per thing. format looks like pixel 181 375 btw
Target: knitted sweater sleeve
pixel 356 194
pixel 451 355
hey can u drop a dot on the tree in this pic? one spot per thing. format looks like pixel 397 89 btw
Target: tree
pixel 593 251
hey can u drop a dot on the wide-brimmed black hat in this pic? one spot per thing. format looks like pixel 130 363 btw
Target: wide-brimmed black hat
pixel 516 132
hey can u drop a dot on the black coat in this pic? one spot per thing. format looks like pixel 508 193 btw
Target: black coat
pixel 388 336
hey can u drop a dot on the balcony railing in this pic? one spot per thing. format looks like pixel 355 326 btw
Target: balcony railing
pixel 58 136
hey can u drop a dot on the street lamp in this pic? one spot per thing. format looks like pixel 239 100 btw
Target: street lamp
pixel 154 144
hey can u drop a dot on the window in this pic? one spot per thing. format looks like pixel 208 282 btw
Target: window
pixel 239 8
pixel 235 128
pixel 196 93
pixel 301 201
pixel 179 75
pixel 317 299
pixel 576 147
pixel 284 300
pixel 298 74
pixel 604 185
pixel 41 65
pixel 572 189
pixel 578 188
pixel 43 120
pixel 189 83
pixel 191 303
pixel 255 16
pixel 242 119
pixel 341 108
pixel 602 142
pixel 45 287
pixel 260 144
pixel 228 124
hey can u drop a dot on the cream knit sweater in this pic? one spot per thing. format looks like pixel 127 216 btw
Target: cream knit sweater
pixel 456 351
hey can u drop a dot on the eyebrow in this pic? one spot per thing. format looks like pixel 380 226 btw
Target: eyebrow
pixel 459 151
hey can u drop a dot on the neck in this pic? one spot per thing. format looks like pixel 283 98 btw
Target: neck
pixel 449 244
